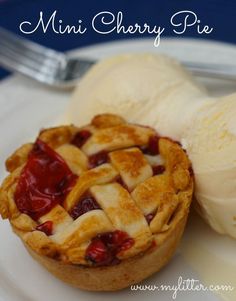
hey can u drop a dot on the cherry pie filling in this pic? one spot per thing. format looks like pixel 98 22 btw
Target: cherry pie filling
pixel 86 204
pixel 153 146
pixel 149 217
pixel 98 159
pixel 121 182
pixel 105 246
pixel 45 182
pixel 80 138
pixel 158 169
pixel 46 227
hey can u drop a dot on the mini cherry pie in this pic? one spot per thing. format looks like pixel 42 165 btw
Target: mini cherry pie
pixel 102 206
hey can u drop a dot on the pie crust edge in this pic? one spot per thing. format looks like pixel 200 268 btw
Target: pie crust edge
pixel 117 277
pixel 128 271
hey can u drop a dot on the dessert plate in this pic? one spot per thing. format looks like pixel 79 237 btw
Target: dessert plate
pixel 26 107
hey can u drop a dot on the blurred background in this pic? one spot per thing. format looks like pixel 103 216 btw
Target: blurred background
pixel 219 14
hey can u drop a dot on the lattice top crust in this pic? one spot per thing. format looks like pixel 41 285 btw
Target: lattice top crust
pixel 96 195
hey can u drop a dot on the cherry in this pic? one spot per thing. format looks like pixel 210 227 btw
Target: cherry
pixel 149 217
pixel 81 137
pixel 105 246
pixel 85 204
pixel 158 169
pixel 98 159
pixel 98 253
pixel 121 182
pixel 153 146
pixel 46 227
pixel 121 240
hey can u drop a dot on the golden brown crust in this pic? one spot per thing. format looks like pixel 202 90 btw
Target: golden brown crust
pixel 107 120
pixel 124 206
pixel 120 276
pixel 19 157
pixel 57 136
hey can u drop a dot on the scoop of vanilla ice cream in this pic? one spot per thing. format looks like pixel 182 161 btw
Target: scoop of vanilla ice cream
pixel 156 90
pixel 211 146
pixel 149 89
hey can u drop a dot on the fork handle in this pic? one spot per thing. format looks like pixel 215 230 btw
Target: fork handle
pixel 216 71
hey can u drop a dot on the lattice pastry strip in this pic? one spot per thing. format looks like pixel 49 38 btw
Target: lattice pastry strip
pixel 132 166
pixel 55 137
pixel 59 217
pixel 165 214
pixel 124 215
pixel 121 136
pixel 100 175
pixel 83 229
pixel 150 194
pixel 77 254
pixel 158 196
pixel 74 157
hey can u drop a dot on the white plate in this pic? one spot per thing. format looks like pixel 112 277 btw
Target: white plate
pixel 26 107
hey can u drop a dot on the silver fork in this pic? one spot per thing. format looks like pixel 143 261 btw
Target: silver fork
pixel 59 69
pixel 40 63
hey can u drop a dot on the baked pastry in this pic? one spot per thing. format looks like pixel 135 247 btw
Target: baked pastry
pixel 101 207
